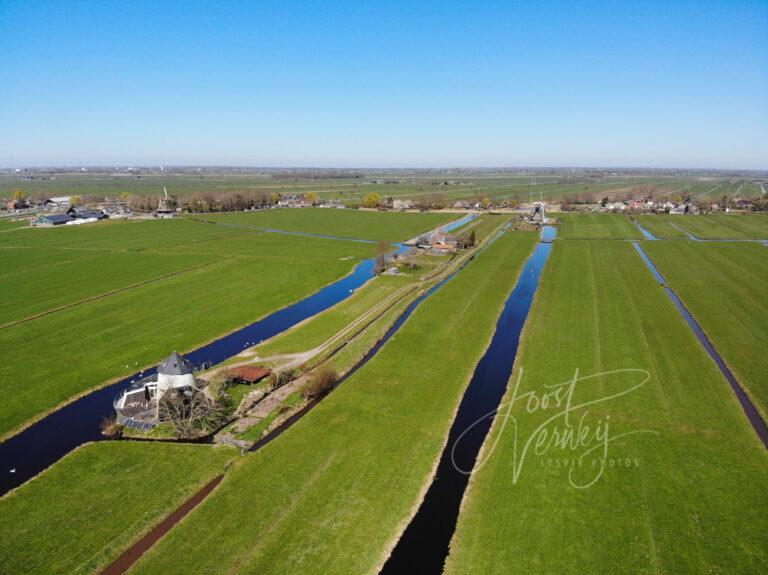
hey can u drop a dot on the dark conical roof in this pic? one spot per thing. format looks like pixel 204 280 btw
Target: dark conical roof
pixel 174 364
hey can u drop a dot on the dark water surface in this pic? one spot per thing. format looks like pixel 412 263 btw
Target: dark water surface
pixel 424 545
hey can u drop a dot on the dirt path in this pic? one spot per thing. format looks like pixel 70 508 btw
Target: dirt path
pixel 129 557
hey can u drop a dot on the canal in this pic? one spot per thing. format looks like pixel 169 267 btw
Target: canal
pixel 423 546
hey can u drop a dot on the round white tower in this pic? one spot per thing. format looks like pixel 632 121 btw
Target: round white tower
pixel 174 372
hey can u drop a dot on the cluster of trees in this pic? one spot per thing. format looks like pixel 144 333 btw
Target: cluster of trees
pixel 228 202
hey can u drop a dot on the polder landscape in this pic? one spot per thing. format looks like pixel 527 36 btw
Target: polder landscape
pixel 383 288
pixel 381 390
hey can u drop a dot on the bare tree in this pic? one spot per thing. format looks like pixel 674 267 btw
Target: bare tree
pixel 380 261
pixel 320 381
pixel 191 412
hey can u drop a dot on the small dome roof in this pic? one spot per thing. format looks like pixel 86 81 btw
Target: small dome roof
pixel 175 364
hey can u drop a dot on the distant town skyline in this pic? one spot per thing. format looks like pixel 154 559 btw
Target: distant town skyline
pixel 668 85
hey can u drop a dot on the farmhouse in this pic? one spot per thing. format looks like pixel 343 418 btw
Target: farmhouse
pixel 292 201
pixel 50 220
pixel 441 242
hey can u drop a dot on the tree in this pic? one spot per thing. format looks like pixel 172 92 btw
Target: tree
pixel 312 198
pixel 75 201
pixel 190 413
pixel 372 200
pixel 380 261
pixel 604 201
pixel 472 239
pixel 486 202
pixel 18 195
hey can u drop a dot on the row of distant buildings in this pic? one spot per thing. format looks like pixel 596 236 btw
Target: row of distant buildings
pixel 669 207
pixel 59 211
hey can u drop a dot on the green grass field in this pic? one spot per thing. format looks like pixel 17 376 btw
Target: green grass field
pixel 581 226
pixel 89 344
pixel 119 235
pixel 12 225
pixel 712 227
pixel 351 190
pixel 661 226
pixel 234 276
pixel 367 225
pixel 688 500
pixel 80 514
pixel 61 283
pixel 724 285
pixel 754 225
pixel 329 494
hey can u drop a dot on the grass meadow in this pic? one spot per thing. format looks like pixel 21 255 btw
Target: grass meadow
pixel 331 493
pixel 582 226
pixel 359 224
pixel 679 487
pixel 724 285
pixel 84 511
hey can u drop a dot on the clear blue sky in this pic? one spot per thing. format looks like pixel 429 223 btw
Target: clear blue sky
pixel 385 84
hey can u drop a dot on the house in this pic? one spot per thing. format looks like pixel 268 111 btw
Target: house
pixel 402 205
pixel 443 243
pixel 292 201
pixel 461 205
pixel 50 220
pixel 20 204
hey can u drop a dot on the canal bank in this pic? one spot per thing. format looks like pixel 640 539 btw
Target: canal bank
pixel 755 420
pixel 423 546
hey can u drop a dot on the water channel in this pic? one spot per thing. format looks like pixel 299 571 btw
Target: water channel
pixel 423 546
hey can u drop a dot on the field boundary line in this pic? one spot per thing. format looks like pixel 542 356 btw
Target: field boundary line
pixel 103 295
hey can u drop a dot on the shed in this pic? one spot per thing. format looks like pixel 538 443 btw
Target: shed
pixel 247 374
pixel 50 220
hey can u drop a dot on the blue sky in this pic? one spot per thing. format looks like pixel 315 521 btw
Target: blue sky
pixel 381 84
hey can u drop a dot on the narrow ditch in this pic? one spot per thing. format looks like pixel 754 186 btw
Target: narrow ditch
pixel 753 415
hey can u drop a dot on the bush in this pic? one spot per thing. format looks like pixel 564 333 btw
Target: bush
pixel 320 381
pixel 110 427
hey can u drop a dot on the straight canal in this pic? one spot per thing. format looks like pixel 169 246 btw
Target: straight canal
pixel 423 546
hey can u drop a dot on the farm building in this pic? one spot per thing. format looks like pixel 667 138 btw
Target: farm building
pixel 50 220
pixel 293 201
pixel 248 374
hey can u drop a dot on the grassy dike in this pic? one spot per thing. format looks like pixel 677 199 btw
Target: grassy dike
pixel 724 285
pixel 332 494
pixel 684 493
pixel 78 515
